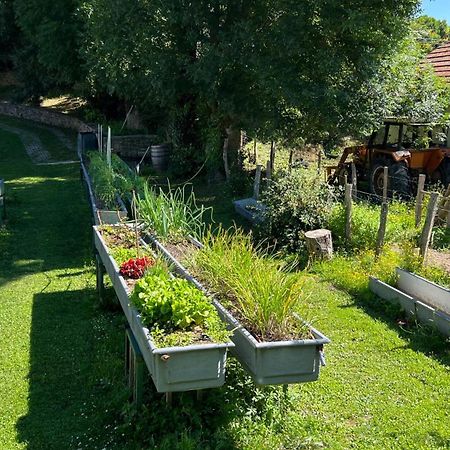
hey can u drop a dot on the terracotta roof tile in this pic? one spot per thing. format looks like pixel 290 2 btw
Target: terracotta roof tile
pixel 439 58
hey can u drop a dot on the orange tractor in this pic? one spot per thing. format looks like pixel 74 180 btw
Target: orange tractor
pixel 407 149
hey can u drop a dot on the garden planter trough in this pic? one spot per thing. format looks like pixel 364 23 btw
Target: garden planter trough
pixel 419 298
pixel 103 216
pixel 172 369
pixel 278 362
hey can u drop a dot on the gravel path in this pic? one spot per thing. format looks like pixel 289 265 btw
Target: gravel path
pixel 31 142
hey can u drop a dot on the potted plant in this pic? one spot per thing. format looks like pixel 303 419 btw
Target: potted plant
pixel 258 300
pixel 104 195
pixel 178 330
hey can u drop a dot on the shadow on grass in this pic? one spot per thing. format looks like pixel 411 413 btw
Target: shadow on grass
pixel 418 337
pixel 71 378
pixel 78 397
pixel 45 227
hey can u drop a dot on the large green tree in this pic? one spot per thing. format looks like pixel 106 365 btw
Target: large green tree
pixel 9 34
pixel 51 34
pixel 276 68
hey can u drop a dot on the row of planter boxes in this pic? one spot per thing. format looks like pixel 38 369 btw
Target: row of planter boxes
pixel 278 362
pixel 203 366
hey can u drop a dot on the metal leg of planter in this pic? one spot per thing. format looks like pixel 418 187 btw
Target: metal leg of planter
pixel 169 397
pixel 100 272
pixel 199 395
pixel 134 367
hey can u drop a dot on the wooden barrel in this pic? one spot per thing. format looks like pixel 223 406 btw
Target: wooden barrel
pixel 160 156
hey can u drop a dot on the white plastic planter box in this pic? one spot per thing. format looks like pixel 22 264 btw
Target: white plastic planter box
pixel 172 369
pixel 278 362
pixel 421 299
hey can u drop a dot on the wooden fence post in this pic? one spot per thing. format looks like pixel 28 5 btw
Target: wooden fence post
pixel 381 228
pixel 268 171
pixel 348 211
pixel 419 198
pixel 257 182
pixel 429 222
pixel 445 205
pixel 354 181
pixel 272 156
pixel 319 161
pixel 255 151
pixel 385 183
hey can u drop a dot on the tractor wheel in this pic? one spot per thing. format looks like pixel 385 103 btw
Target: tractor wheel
pixel 400 180
pixel 444 168
pixel 377 178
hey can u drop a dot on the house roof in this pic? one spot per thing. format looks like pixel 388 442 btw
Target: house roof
pixel 439 58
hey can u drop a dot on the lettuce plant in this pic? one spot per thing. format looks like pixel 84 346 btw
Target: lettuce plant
pixel 170 305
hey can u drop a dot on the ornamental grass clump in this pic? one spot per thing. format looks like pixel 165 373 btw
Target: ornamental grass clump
pixel 257 287
pixel 173 215
pixel 176 312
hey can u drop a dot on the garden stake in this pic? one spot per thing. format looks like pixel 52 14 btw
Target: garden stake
pixel 381 229
pixel 348 211
pixel 385 183
pixel 135 223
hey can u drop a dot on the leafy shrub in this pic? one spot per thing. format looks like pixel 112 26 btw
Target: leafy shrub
pixel 257 287
pixel 173 304
pixel 172 215
pixel 296 202
pixel 102 180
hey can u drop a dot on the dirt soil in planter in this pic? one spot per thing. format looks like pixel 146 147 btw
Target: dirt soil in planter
pixel 182 251
pixel 119 236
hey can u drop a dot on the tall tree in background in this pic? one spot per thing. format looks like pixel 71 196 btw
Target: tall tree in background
pixel 49 51
pixel 278 68
pixel 9 34
pixel 430 32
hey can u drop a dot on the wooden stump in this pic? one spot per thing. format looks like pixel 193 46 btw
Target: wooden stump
pixel 319 244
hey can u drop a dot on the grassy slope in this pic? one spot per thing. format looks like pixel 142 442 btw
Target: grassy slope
pixel 61 374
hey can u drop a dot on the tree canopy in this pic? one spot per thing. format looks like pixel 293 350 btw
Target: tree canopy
pixel 313 71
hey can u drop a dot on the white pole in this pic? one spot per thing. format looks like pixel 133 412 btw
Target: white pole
pixel 108 148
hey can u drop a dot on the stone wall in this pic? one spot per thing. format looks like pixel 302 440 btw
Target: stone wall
pixel 133 147
pixel 42 115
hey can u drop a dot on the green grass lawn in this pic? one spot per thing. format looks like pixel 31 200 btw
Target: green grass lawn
pixel 62 383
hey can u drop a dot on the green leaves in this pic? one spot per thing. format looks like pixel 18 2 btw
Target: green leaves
pixel 257 287
pixel 173 304
pixel 172 215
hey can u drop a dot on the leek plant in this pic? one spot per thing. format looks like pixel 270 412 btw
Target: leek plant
pixel 256 286
pixel 173 215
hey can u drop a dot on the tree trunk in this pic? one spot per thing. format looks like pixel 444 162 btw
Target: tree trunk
pixel 319 244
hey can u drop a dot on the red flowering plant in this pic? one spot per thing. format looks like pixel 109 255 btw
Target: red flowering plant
pixel 135 267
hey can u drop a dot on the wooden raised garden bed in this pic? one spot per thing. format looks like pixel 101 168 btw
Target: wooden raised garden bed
pixel 172 369
pixel 278 362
